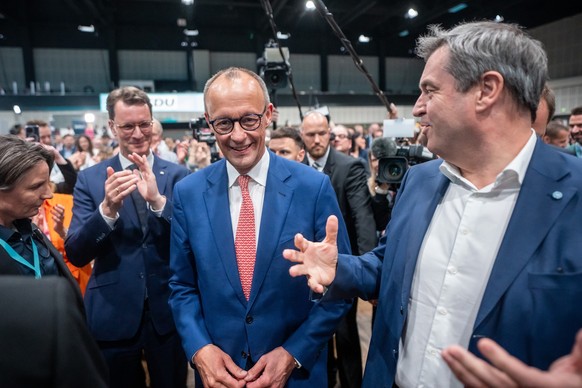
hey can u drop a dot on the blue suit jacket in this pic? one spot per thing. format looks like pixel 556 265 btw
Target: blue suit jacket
pixel 207 299
pixel 128 264
pixel 531 305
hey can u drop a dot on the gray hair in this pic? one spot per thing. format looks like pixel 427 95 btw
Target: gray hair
pixel 17 157
pixel 478 47
pixel 232 73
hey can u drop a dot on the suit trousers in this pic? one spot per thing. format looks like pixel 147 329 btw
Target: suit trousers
pixel 166 363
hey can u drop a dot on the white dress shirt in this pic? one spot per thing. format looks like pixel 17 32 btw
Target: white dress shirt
pixel 453 268
pixel 258 175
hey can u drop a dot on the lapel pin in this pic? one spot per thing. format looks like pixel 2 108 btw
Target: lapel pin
pixel 162 173
pixel 557 195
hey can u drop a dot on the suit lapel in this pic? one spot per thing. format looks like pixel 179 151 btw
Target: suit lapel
pixel 218 213
pixel 275 208
pixel 524 232
pixel 419 221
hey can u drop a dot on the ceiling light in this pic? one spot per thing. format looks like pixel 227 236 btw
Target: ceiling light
pixel 89 118
pixel 403 33
pixel 364 39
pixel 187 2
pixel 499 19
pixel 188 32
pixel 309 5
pixel 281 35
pixel 458 8
pixel 89 28
pixel 411 14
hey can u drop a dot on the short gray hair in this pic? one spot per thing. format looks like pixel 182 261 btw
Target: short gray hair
pixel 17 157
pixel 234 73
pixel 478 47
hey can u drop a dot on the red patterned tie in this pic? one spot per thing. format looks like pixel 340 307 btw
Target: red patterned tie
pixel 244 243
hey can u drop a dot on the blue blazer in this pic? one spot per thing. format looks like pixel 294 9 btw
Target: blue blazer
pixel 207 299
pixel 128 264
pixel 531 304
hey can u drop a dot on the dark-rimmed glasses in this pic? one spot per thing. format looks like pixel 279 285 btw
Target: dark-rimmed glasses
pixel 128 128
pixel 248 122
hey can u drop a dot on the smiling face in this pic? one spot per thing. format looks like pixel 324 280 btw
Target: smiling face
pixel 233 98
pixel 447 114
pixel 25 198
pixel 136 140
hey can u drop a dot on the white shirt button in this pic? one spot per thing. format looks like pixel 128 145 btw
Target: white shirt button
pixel 442 311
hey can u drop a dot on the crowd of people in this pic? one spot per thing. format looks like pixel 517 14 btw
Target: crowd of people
pixel 157 255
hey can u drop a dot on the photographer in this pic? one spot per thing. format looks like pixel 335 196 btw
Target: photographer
pixel 63 174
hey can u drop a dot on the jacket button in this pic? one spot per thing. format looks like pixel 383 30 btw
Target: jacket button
pixel 249 319
pixel 243 354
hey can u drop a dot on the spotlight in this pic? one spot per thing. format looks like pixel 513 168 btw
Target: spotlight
pixel 309 5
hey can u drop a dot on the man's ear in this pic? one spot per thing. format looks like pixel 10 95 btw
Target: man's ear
pixel 491 87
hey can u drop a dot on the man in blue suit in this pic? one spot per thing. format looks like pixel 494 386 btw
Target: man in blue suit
pixel 482 243
pixel 242 319
pixel 121 220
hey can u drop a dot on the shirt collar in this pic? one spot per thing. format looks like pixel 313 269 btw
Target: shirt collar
pixel 125 163
pixel 258 173
pixel 515 170
pixel 321 161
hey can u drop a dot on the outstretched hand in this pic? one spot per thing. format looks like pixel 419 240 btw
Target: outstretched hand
pixel 507 371
pixel 316 260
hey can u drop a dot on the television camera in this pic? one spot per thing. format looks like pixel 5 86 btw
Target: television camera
pixel 391 169
pixel 274 68
pixel 202 133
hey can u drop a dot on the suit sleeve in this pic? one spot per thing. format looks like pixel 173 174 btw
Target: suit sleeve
pixel 360 203
pixel 311 338
pixel 185 293
pixel 88 230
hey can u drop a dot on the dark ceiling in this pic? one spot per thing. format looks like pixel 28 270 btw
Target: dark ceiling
pixel 242 25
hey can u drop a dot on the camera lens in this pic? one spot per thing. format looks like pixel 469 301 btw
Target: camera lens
pixel 395 170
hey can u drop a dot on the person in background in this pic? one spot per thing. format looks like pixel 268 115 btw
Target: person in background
pixel 121 220
pixel 575 124
pixel 349 180
pixel 557 134
pixel 242 319
pixel 18 130
pixel 199 157
pixel 159 146
pixel 286 142
pixel 63 173
pixel 69 147
pixel 483 242
pixel 83 156
pixel 545 111
pixel 342 140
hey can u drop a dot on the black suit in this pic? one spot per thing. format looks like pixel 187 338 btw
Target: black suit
pixel 349 180
pixel 44 339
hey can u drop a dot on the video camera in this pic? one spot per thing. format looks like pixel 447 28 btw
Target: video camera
pixel 201 132
pixel 273 68
pixel 392 169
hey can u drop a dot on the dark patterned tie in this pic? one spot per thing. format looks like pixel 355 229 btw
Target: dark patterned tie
pixel 140 205
pixel 245 242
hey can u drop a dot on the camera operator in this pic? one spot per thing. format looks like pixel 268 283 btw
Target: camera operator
pixel 382 193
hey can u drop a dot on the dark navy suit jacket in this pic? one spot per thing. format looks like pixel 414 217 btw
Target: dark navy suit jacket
pixel 128 264
pixel 207 298
pixel 531 304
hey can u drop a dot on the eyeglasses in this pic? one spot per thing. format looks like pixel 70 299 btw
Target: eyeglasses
pixel 340 136
pixel 128 128
pixel 249 122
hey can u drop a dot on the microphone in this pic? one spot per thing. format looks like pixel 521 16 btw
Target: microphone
pixel 383 147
